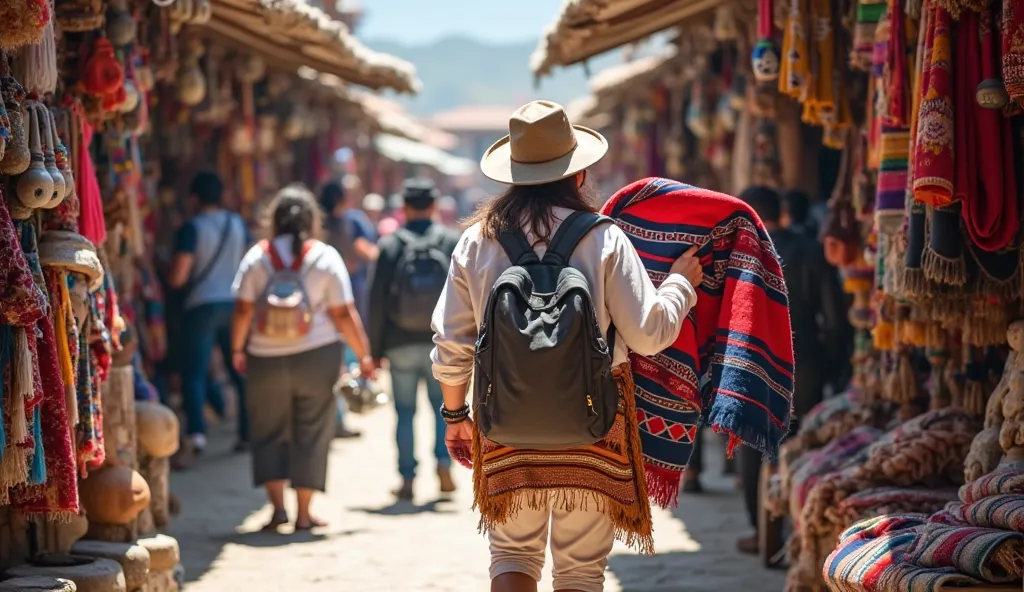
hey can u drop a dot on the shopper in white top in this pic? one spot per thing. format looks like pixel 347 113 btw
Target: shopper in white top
pixel 544 159
pixel 290 381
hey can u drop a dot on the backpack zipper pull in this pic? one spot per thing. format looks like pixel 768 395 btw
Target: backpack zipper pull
pixel 590 405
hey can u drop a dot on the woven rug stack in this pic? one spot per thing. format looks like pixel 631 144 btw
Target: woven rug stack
pixel 978 539
pixel 914 467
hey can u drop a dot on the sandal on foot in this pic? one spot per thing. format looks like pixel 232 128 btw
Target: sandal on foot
pixel 280 517
pixel 313 523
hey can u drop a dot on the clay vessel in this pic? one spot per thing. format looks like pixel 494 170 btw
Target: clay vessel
pixel 50 157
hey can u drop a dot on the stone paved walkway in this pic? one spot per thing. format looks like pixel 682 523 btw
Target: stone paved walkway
pixel 373 544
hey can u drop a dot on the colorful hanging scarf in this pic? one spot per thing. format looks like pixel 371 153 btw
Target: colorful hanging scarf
pixel 91 222
pixel 934 162
pixel 890 193
pixel 732 365
pixel 868 14
pixel 795 72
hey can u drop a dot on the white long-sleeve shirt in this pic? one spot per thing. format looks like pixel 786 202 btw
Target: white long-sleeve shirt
pixel 647 320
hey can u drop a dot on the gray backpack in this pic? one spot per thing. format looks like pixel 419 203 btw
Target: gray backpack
pixel 420 275
pixel 542 366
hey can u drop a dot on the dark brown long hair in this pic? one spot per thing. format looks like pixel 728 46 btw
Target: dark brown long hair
pixel 294 211
pixel 531 205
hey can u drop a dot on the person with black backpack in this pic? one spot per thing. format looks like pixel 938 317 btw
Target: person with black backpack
pixel 410 275
pixel 544 300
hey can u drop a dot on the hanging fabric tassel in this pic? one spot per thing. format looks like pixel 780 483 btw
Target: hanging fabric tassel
pixel 37 468
pixel 61 309
pixel 6 344
pixel 36 65
pixel 22 385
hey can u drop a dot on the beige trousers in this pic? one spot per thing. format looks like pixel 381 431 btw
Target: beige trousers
pixel 580 543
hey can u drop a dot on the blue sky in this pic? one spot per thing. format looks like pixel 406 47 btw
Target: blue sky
pixel 417 21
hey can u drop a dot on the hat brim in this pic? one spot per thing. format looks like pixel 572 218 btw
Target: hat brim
pixel 497 163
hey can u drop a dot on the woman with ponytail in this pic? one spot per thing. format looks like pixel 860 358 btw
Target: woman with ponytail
pixel 293 307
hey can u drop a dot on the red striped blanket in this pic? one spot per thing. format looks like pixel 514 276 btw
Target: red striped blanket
pixel 732 365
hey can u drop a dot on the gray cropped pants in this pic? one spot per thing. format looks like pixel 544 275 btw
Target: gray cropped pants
pixel 292 415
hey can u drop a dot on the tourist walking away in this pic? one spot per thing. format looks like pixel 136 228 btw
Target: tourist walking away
pixel 542 302
pixel 294 304
pixel 410 274
pixel 350 231
pixel 822 335
pixel 208 249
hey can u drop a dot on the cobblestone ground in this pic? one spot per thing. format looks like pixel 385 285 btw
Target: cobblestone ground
pixel 374 544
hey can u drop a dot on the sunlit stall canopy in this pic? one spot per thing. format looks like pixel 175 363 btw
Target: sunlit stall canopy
pixel 586 28
pixel 399 149
pixel 289 34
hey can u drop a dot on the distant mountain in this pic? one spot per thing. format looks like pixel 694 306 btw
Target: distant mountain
pixel 464 71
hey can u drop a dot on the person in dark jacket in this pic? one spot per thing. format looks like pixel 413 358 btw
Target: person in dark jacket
pixel 407 347
pixel 821 332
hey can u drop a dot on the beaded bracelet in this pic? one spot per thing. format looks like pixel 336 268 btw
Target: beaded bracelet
pixel 452 417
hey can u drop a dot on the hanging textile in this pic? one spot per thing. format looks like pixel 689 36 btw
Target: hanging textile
pixel 985 179
pixel 90 221
pixel 934 162
pixel 795 72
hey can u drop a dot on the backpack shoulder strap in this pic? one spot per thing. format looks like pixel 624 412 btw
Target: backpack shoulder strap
pixel 570 233
pixel 275 258
pixel 517 247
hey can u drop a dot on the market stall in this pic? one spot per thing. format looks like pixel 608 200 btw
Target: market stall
pixel 907 111
pixel 104 107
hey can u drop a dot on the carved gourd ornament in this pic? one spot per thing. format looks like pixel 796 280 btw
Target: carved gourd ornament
pixel 35 185
pixel 16 156
pixel 50 157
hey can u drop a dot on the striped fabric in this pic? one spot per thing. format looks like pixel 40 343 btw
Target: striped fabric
pixel 732 365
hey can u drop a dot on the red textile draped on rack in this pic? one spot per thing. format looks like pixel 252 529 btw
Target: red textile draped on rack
pixel 934 157
pixel 985 181
pixel 90 220
pixel 732 365
pixel 1013 50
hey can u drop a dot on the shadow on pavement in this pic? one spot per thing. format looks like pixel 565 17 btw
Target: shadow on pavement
pixel 216 497
pixel 409 508
pixel 710 524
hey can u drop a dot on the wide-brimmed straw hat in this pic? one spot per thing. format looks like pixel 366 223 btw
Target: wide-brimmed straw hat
pixel 73 252
pixel 542 147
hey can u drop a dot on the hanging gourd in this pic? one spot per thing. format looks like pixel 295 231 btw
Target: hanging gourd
pixel 190 81
pixel 36 65
pixel 50 157
pixel 180 13
pixel 142 73
pixel 724 28
pixel 16 158
pixel 250 69
pixel 203 12
pixel 35 185
pixel 765 55
pixel 103 73
pixel 131 97
pixel 22 22
pixel 79 16
pixel 991 94
pixel 63 159
pixel 121 27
